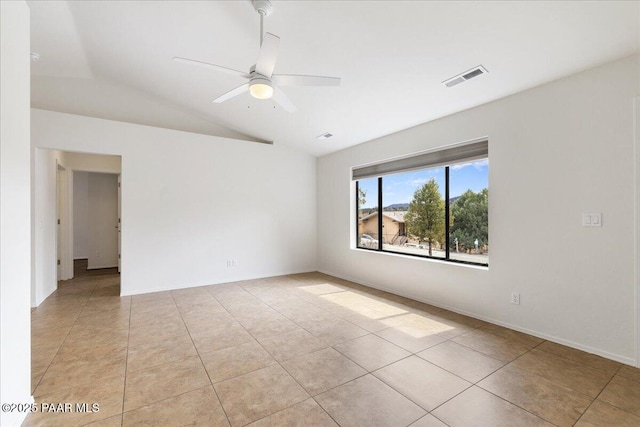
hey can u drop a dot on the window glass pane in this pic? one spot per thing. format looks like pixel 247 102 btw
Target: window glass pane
pixel 413 214
pixel 367 213
pixel 469 211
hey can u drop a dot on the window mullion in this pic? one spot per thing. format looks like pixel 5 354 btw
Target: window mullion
pixel 380 213
pixel 446 212
pixel 357 214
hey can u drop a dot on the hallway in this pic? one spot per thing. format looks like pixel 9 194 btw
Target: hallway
pixel 80 269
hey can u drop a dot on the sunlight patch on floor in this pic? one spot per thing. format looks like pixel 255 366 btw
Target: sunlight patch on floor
pixel 363 305
pixel 419 326
pixel 324 288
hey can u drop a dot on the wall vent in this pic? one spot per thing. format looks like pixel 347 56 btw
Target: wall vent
pixel 467 75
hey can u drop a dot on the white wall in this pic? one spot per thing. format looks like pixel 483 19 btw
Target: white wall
pixel 555 151
pixel 15 210
pixel 102 220
pixel 80 215
pixel 190 202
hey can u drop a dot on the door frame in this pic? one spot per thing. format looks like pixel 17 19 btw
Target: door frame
pixel 636 149
pixel 64 214
pixel 119 221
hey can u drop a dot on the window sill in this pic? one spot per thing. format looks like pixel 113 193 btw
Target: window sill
pixel 419 258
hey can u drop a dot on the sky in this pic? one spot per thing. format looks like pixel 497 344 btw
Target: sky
pixel 399 188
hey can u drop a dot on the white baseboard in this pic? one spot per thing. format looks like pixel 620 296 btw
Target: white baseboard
pixel 215 282
pixel 98 267
pixel 599 352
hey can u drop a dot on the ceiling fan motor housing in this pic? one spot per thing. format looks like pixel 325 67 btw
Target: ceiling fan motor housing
pixel 263 7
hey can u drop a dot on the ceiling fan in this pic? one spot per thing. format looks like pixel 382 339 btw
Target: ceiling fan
pixel 262 83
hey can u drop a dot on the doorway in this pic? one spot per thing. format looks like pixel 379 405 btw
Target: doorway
pixel 53 226
pixel 96 223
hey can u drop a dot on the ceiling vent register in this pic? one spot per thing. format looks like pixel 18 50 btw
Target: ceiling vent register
pixel 467 75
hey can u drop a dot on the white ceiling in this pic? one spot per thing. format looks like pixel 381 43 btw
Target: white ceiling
pixel 112 59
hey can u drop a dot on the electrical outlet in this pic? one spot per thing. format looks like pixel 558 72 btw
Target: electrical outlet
pixel 229 263
pixel 515 298
pixel 234 263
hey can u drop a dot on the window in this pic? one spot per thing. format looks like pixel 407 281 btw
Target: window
pixel 432 205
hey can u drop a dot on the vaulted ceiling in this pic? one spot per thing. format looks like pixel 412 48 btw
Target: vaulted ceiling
pixel 113 60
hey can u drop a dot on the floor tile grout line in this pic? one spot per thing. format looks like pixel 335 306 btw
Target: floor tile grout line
pixel 554 354
pixel 515 404
pixel 215 392
pixel 285 369
pixel 509 363
pixel 288 373
pixel 159 401
pixel 472 384
pixel 416 403
pixel 126 367
pixel 367 372
pixel 509 402
pixel 324 391
pixel 577 361
pixel 366 369
pixel 437 418
pixel 506 400
pixel 277 362
pixel 598 396
pixel 558 383
pixel 65 337
pixel 94 288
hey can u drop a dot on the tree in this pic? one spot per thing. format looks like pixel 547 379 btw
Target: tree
pixel 471 213
pixel 362 199
pixel 425 217
pixel 362 196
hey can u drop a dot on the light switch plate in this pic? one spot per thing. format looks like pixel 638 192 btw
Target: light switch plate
pixel 592 219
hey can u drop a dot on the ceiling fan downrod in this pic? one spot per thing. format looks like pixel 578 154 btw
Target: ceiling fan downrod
pixel 264 8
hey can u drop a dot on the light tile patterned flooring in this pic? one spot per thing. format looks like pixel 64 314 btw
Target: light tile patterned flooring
pixel 306 350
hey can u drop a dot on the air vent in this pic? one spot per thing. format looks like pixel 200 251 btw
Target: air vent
pixel 467 75
pixel 325 135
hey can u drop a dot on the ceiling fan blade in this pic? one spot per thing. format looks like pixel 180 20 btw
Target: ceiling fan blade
pixel 211 66
pixel 268 55
pixel 233 92
pixel 283 100
pixel 298 80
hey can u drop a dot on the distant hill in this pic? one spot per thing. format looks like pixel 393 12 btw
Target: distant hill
pixel 397 207
pixel 405 206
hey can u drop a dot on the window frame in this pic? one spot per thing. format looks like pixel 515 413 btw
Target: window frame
pixel 380 248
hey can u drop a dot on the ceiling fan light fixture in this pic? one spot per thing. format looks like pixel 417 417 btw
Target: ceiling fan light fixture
pixel 261 89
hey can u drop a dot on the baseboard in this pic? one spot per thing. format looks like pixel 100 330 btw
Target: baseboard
pixel 218 282
pixel 40 299
pixel 16 418
pixel 578 346
pixel 100 267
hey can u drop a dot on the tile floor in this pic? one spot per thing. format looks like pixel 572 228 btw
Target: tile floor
pixel 306 350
